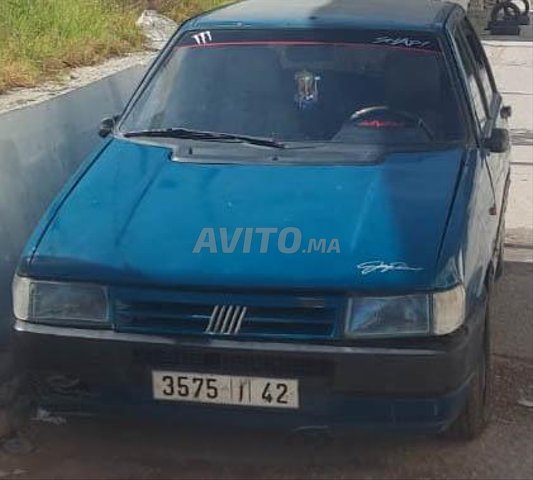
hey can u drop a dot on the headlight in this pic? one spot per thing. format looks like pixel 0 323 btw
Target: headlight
pixel 408 315
pixel 389 316
pixel 50 302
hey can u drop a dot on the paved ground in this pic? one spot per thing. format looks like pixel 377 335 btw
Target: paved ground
pixel 88 449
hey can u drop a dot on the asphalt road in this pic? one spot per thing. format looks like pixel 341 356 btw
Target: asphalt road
pixel 84 448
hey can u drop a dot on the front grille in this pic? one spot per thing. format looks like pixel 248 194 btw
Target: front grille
pixel 162 317
pixel 238 316
pixel 251 364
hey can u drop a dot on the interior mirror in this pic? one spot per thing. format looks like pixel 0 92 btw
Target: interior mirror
pixel 499 141
pixel 107 126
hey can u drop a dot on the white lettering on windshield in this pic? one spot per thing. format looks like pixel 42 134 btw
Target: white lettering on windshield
pixel 203 38
pixel 401 42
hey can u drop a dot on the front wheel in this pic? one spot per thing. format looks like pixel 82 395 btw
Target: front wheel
pixel 477 410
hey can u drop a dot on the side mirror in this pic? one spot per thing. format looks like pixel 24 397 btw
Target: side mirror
pixel 506 112
pixel 499 141
pixel 107 126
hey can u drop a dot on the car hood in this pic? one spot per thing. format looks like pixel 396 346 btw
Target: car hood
pixel 137 217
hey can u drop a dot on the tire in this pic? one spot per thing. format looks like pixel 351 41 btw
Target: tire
pixel 476 413
pixel 524 19
pixel 525 4
pixel 509 30
pixel 505 12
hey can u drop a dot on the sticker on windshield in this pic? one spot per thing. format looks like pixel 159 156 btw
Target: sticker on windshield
pixel 307 94
pixel 203 38
pixel 402 42
pixel 222 37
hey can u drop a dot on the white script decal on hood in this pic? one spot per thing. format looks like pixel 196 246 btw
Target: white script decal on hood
pixel 379 266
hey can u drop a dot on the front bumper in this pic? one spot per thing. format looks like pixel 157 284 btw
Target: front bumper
pixel 410 385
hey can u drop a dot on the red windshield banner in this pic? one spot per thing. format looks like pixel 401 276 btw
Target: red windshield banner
pixel 414 41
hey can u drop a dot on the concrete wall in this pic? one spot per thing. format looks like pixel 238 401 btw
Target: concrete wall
pixel 40 147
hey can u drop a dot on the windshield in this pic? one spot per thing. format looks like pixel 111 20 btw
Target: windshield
pixel 298 86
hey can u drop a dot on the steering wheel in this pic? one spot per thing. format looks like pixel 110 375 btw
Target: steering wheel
pixel 372 117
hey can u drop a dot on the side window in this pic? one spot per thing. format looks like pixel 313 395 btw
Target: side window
pixel 473 82
pixel 480 60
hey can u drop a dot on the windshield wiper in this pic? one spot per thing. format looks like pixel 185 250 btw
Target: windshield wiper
pixel 207 136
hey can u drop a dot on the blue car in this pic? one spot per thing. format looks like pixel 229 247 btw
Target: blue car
pixel 296 222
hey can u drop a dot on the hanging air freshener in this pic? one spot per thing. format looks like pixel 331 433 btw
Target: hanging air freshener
pixel 307 89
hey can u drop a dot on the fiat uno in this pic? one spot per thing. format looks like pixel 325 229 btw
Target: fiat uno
pixel 296 221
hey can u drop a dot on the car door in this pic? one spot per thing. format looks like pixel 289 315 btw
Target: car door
pixel 486 108
pixel 497 115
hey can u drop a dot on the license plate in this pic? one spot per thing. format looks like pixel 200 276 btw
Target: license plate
pixel 225 390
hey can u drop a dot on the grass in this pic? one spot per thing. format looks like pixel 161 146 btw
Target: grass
pixel 39 39
pixel 183 9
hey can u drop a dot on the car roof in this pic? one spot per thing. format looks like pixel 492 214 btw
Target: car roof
pixel 386 14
